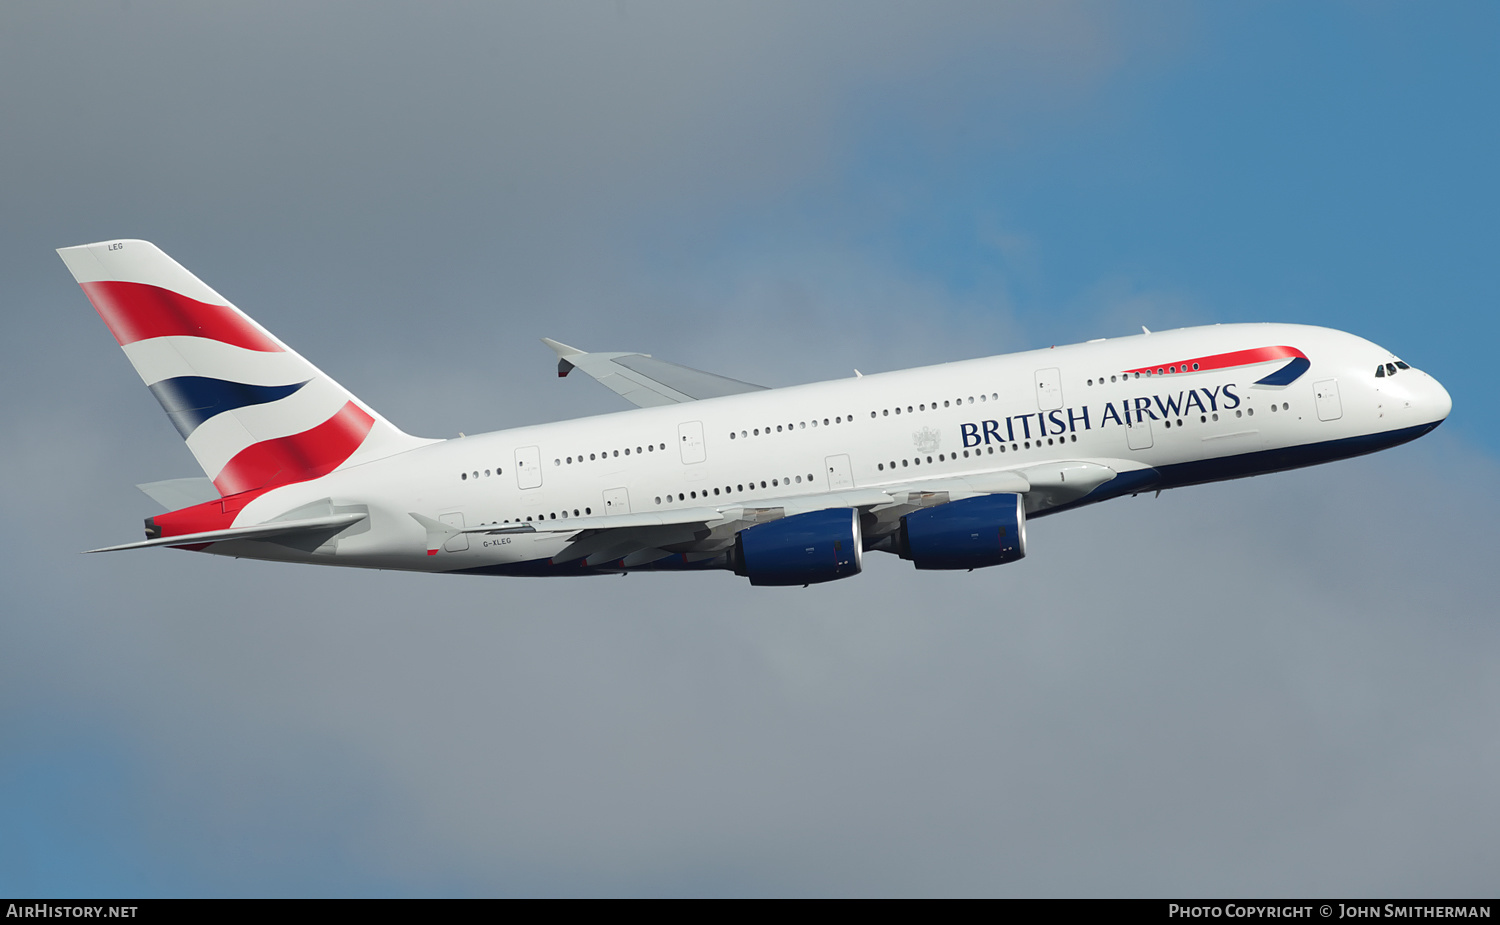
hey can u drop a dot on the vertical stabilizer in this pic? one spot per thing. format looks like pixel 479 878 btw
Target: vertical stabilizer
pixel 254 413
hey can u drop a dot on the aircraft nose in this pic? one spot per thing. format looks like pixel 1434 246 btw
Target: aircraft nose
pixel 1437 400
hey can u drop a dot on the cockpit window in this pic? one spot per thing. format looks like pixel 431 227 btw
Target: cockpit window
pixel 1390 369
pixel 1380 372
pixel 1401 365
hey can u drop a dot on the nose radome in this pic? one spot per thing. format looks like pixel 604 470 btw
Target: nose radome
pixel 1438 401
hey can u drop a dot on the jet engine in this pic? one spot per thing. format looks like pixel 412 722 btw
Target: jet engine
pixel 973 533
pixel 802 549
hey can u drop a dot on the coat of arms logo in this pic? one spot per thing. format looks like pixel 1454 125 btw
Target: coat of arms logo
pixel 927 440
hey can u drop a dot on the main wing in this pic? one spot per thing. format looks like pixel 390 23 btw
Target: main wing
pixel 645 381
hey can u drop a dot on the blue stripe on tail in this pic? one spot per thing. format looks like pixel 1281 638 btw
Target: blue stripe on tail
pixel 191 400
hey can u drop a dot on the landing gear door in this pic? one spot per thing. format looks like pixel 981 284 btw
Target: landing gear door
pixel 839 474
pixel 528 467
pixel 1049 395
pixel 1326 396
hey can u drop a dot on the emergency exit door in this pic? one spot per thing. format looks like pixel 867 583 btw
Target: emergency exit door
pixel 1326 397
pixel 690 441
pixel 1049 395
pixel 838 472
pixel 528 467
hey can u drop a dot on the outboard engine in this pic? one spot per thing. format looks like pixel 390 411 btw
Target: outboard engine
pixel 803 549
pixel 968 534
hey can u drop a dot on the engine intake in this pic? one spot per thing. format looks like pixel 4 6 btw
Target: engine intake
pixel 968 534
pixel 803 549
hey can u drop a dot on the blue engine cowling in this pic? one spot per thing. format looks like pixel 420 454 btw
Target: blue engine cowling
pixel 973 533
pixel 803 549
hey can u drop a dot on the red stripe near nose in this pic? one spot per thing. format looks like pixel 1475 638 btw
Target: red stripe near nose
pixel 1223 360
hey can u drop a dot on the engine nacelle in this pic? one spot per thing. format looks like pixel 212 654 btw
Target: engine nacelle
pixel 973 533
pixel 803 549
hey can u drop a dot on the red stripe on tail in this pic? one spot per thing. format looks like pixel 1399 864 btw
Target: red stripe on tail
pixel 309 455
pixel 139 311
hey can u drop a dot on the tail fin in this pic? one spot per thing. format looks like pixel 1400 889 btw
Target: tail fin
pixel 254 413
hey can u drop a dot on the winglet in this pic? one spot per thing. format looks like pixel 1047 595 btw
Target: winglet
pixel 643 380
pixel 563 351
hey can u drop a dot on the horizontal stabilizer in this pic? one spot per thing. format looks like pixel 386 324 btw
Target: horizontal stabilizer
pixel 175 494
pixel 645 381
pixel 257 532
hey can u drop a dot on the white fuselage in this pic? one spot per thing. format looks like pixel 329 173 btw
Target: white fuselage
pixel 788 447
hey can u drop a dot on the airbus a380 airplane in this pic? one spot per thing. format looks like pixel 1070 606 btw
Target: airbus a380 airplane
pixel 942 465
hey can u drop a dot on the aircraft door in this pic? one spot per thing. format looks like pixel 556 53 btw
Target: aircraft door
pixel 458 542
pixel 616 501
pixel 1137 435
pixel 690 441
pixel 1326 397
pixel 839 474
pixel 1049 389
pixel 528 467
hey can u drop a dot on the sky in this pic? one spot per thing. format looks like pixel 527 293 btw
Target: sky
pixel 1281 686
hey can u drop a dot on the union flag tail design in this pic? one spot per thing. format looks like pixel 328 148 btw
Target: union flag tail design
pixel 254 413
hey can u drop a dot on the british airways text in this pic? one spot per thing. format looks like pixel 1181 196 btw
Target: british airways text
pixel 1123 413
